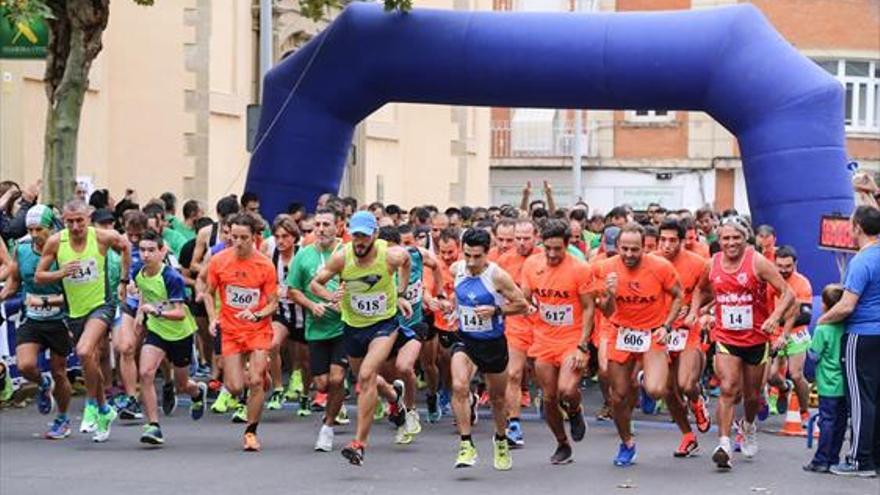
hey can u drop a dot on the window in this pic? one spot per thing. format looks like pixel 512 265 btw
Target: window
pixel 861 80
pixel 650 116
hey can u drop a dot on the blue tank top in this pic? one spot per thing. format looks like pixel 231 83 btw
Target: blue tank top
pixel 27 265
pixel 472 291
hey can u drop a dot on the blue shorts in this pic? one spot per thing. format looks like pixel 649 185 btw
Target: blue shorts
pixel 357 340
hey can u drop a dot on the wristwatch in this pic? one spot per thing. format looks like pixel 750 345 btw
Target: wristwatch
pixel 583 348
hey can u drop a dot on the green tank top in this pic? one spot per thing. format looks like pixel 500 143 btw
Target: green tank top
pixel 86 289
pixel 370 292
pixel 414 289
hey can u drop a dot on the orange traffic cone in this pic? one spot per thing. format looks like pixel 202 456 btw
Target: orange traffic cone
pixel 793 426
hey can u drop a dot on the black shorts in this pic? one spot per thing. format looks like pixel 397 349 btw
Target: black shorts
pixel 294 333
pixel 324 353
pixel 402 339
pixel 357 340
pixel 753 355
pixel 424 332
pixel 218 343
pixel 490 356
pixel 197 309
pixel 179 352
pixel 105 313
pixel 447 339
pixel 128 310
pixel 51 334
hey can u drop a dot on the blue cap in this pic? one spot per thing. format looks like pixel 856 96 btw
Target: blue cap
pixel 611 235
pixel 362 222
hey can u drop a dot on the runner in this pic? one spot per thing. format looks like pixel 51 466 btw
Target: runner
pixel 686 357
pixel 170 328
pixel 248 290
pixel 561 288
pixel 504 239
pixel 128 338
pixel 369 303
pixel 794 339
pixel 518 330
pixel 323 325
pixel 449 252
pixel 420 298
pixel 287 324
pixel 43 326
pixel 642 299
pixel 739 278
pixel 81 255
pixel 484 294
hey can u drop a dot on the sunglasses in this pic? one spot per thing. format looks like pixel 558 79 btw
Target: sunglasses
pixel 308 231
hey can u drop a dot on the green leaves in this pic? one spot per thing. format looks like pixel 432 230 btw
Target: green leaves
pixel 316 9
pixel 24 11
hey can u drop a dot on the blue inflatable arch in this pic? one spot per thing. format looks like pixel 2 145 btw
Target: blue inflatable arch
pixel 786 112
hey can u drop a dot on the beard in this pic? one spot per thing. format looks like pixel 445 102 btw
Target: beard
pixel 365 252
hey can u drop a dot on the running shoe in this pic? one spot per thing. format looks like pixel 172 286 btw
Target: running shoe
pixel 701 414
pixel 6 390
pixel 131 409
pixel 250 442
pixel 503 460
pixel 214 386
pixel 105 420
pixel 563 455
pixel 577 424
pixel 45 401
pixel 750 439
pixel 773 401
pixel 626 456
pixel 401 437
pixel 152 435
pixel 813 467
pixel 294 387
pixel 397 411
pixel 354 452
pixel 305 408
pixel 60 428
pixel 275 400
pixel 805 419
pixel 525 400
pixel 412 423
pixel 89 418
pixel 169 399
pixel 467 455
pixel 445 402
pixel 342 416
pixel 324 443
pixel 319 404
pixel 474 404
pixel 197 407
pixel 222 403
pixel 434 413
pixel 604 413
pixel 514 434
pixel 484 398
pixel 687 447
pixel 203 371
pixel 646 402
pixel 240 414
pixel 721 457
pixel 848 469
pixel 380 411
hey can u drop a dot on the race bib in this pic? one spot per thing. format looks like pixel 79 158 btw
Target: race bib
pixel 677 340
pixel 241 297
pixel 800 337
pixel 414 292
pixel 369 304
pixel 40 311
pixel 87 272
pixel 736 318
pixel 471 322
pixel 557 315
pixel 632 340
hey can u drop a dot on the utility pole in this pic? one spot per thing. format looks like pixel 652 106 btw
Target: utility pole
pixel 266 41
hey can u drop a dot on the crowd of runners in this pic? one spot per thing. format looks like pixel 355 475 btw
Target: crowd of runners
pixel 476 307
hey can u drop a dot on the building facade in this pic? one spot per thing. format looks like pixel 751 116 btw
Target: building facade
pixel 682 159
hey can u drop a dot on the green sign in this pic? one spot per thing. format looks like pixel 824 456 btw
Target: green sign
pixel 23 39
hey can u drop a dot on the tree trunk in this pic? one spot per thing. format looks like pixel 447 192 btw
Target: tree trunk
pixel 74 42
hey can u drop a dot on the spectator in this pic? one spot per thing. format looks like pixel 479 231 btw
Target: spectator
pixel 14 204
pixel 860 308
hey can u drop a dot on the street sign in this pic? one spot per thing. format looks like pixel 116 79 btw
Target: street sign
pixel 23 39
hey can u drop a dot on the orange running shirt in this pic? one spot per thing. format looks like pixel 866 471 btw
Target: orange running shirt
pixel 803 294
pixel 440 322
pixel 641 302
pixel 512 263
pixel 700 249
pixel 557 291
pixel 690 267
pixel 242 284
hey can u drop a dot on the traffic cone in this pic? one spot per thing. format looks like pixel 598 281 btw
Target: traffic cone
pixel 793 426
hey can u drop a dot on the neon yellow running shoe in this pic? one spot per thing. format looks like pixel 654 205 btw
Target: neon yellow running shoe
pixel 380 411
pixel 467 455
pixel 294 387
pixel 503 460
pixel 223 402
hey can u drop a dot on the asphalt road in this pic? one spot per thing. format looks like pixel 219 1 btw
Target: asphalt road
pixel 205 457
